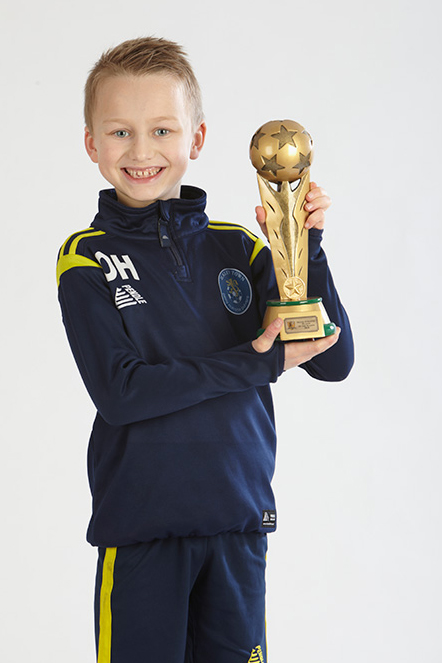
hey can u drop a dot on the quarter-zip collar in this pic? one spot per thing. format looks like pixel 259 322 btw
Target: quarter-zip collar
pixel 184 216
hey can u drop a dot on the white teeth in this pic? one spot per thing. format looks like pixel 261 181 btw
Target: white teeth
pixel 138 174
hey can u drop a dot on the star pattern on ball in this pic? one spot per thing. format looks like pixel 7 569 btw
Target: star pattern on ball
pixel 256 139
pixel 285 137
pixel 304 162
pixel 306 133
pixel 271 165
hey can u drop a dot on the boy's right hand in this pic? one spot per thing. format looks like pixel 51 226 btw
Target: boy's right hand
pixel 296 352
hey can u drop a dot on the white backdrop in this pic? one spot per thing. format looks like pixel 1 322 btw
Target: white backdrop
pixel 354 569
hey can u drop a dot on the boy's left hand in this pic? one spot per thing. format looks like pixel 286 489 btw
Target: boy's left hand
pixel 316 203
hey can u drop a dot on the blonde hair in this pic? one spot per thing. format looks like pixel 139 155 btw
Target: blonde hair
pixel 146 55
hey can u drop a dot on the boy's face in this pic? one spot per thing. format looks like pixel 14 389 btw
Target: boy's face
pixel 143 137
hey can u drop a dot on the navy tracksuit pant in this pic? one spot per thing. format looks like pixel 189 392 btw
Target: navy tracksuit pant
pixel 183 600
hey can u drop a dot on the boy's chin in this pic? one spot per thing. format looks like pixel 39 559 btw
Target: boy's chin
pixel 134 202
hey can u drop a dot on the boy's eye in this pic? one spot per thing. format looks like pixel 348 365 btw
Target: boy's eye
pixel 162 132
pixel 121 133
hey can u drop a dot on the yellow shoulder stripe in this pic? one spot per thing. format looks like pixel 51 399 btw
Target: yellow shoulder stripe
pixel 71 259
pixel 220 225
pixel 82 233
pixel 73 247
pixel 259 244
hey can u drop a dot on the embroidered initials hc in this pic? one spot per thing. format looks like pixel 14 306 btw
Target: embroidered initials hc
pixel 116 266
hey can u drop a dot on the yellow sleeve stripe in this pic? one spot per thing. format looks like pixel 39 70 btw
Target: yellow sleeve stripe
pixel 73 247
pixel 107 584
pixel 220 225
pixel 71 259
pixel 259 244
pixel 81 232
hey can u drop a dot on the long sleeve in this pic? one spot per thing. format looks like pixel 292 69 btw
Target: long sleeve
pixel 335 364
pixel 123 385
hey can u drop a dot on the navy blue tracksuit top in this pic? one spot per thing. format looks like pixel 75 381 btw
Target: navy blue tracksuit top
pixel 160 307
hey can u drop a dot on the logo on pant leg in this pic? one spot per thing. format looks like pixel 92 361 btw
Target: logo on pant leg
pixel 256 656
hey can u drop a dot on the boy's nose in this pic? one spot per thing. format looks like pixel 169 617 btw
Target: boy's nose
pixel 142 149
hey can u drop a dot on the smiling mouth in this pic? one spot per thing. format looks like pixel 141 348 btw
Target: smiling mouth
pixel 142 174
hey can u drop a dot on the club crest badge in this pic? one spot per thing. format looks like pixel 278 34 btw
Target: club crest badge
pixel 236 291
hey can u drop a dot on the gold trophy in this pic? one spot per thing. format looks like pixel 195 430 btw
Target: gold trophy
pixel 282 152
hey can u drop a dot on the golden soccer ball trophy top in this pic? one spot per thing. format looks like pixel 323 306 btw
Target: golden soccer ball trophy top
pixel 281 151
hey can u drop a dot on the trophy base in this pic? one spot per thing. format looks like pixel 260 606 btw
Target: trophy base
pixel 303 319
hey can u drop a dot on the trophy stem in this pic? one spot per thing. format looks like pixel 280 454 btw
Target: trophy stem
pixel 285 219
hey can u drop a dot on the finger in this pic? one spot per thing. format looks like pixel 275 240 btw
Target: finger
pixel 260 214
pixel 315 220
pixel 320 202
pixel 265 342
pixel 320 345
pixel 316 208
pixel 261 218
pixel 297 353
pixel 315 191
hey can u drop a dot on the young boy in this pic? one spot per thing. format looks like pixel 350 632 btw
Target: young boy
pixel 161 308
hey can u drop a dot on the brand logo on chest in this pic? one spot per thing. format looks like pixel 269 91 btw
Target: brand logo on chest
pixel 236 291
pixel 128 296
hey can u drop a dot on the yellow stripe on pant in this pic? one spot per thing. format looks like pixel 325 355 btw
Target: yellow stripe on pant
pixel 107 583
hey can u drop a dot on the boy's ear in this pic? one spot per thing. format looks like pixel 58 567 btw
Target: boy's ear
pixel 90 145
pixel 198 141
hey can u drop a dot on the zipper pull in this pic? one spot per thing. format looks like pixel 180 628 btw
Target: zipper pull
pixel 163 234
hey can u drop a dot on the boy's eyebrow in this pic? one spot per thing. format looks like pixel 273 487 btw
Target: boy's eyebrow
pixel 120 120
